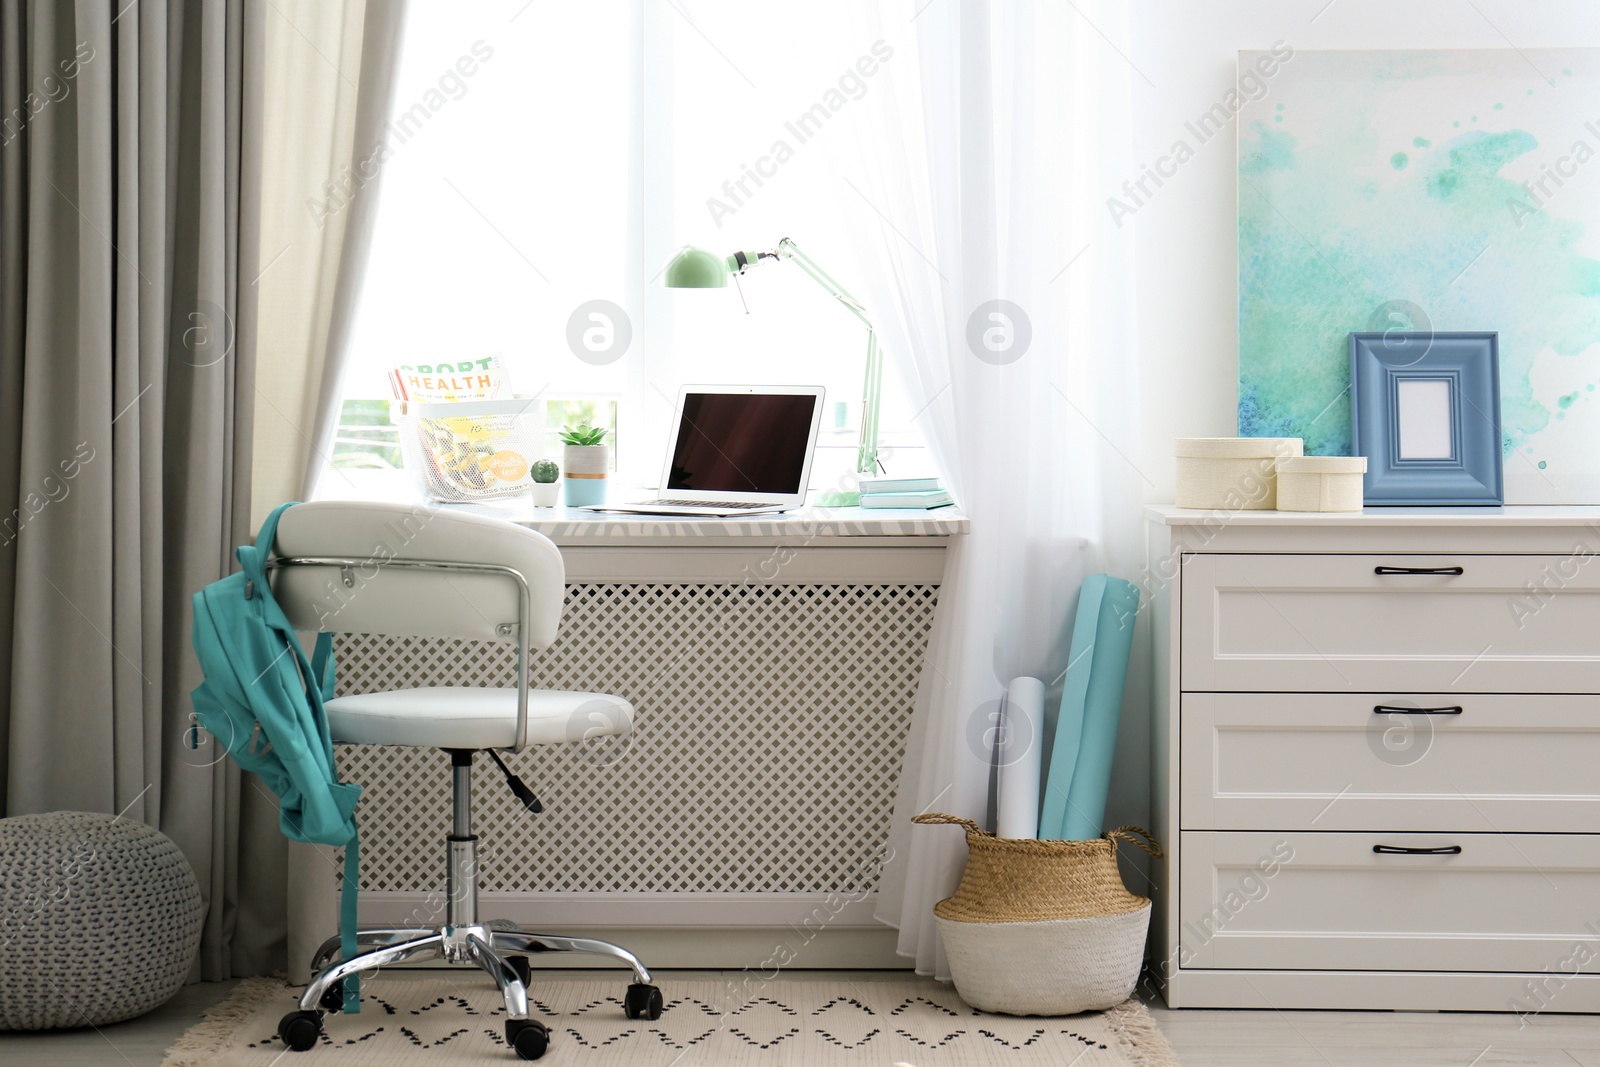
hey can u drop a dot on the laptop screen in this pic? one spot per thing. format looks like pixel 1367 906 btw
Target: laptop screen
pixel 742 442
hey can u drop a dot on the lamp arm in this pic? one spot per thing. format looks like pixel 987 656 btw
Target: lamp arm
pixel 872 388
pixel 789 250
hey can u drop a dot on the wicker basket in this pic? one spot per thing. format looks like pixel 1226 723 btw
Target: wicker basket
pixel 1043 927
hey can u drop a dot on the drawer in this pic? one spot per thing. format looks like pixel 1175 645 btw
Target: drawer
pixel 1331 761
pixel 1296 901
pixel 1320 623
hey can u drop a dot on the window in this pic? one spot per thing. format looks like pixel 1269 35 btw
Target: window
pixel 547 160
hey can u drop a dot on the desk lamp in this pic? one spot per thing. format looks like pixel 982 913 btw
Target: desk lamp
pixel 695 268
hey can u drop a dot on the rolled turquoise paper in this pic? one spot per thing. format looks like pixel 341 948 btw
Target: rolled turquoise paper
pixel 1065 725
pixel 1073 807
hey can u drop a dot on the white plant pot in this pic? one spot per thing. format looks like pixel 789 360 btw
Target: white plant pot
pixel 546 494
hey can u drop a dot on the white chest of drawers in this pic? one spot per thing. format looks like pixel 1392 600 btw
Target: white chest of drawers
pixel 1377 758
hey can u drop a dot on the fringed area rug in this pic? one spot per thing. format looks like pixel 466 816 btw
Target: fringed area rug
pixel 440 1019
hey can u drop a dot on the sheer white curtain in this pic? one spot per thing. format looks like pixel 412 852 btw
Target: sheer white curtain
pixel 983 156
pixel 328 73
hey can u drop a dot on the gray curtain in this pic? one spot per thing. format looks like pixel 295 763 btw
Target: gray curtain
pixel 124 429
pixel 129 212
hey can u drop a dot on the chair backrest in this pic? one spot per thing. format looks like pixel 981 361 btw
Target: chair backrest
pixel 378 592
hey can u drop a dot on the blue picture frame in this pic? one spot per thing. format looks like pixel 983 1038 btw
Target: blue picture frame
pixel 1460 464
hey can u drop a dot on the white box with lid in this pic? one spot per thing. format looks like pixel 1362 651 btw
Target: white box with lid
pixel 1321 483
pixel 1231 473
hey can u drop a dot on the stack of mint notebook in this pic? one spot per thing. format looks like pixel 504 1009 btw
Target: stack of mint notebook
pixel 903 493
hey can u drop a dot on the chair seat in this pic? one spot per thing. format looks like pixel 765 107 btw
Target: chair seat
pixel 474 717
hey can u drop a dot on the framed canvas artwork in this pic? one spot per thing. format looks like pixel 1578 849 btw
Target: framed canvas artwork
pixel 1416 193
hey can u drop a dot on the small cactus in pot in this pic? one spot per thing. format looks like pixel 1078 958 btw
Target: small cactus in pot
pixel 546 491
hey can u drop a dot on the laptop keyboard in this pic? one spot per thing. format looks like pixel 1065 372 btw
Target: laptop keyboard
pixel 698 504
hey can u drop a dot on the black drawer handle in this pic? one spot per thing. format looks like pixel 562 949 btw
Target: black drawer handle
pixel 1400 850
pixel 1418 570
pixel 1390 709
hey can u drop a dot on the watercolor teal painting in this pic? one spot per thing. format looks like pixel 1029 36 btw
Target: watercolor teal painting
pixel 1415 191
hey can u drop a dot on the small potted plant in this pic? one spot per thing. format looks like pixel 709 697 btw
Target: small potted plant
pixel 586 458
pixel 546 493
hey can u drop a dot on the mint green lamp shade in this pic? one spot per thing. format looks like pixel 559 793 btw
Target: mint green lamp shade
pixel 695 268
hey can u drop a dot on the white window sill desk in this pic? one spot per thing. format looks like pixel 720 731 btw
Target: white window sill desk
pixel 774 661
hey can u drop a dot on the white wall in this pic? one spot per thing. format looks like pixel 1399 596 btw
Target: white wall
pixel 1186 264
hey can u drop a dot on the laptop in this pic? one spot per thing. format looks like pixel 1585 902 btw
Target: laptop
pixel 736 450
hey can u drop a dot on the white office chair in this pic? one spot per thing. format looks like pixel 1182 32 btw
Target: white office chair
pixel 347 567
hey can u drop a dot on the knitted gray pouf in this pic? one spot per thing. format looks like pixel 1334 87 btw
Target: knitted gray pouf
pixel 99 920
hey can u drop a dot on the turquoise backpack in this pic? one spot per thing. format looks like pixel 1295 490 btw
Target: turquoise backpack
pixel 262 701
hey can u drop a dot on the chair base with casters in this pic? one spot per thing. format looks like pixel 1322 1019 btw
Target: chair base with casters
pixel 364 567
pixel 498 947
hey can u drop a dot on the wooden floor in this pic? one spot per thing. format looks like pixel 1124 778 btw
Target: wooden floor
pixel 1201 1038
pixel 1378 1039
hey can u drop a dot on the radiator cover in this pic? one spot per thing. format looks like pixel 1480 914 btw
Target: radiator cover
pixel 770 726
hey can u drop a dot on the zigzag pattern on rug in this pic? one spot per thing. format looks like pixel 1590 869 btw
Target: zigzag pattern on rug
pixel 438 1018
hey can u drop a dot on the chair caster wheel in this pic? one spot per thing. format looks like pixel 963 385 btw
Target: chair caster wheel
pixel 524 970
pixel 642 1002
pixel 333 997
pixel 527 1037
pixel 300 1029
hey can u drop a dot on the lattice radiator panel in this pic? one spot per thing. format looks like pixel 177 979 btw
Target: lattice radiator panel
pixel 770 725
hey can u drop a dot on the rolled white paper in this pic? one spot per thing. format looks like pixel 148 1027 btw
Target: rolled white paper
pixel 1021 743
